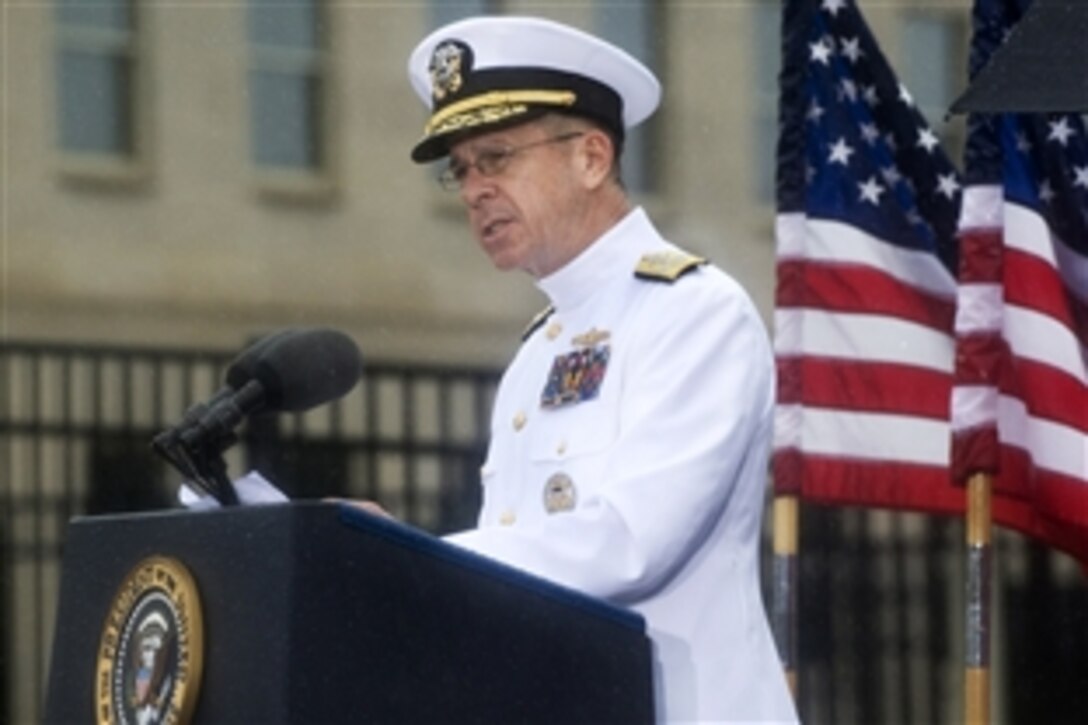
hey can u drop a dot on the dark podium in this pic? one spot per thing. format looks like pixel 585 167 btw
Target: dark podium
pixel 318 612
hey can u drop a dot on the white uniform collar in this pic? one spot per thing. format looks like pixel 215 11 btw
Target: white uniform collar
pixel 614 253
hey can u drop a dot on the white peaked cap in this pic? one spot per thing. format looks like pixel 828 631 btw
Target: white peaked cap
pixel 486 72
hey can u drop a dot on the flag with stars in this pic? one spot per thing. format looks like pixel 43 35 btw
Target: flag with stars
pixel 1020 402
pixel 866 289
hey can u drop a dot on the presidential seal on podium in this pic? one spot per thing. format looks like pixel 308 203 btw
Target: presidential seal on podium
pixel 150 656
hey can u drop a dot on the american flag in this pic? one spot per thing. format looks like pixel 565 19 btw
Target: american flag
pixel 867 210
pixel 1020 403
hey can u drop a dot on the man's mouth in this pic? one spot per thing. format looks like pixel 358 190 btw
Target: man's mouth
pixel 492 227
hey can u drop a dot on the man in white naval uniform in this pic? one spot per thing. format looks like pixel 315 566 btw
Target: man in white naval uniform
pixel 630 434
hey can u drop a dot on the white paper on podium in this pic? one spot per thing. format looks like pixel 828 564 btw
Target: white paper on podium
pixel 252 489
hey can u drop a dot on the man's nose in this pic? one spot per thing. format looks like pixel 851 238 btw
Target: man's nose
pixel 475 186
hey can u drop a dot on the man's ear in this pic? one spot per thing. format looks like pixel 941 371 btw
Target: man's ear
pixel 596 158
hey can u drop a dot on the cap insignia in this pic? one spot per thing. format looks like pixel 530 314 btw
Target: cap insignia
pixel 667 266
pixel 451 59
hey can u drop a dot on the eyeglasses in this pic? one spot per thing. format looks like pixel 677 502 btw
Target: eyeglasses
pixel 492 161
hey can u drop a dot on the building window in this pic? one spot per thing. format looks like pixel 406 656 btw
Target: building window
pixel 635 27
pixel 444 12
pixel 287 85
pixel 96 77
pixel 934 67
pixel 766 62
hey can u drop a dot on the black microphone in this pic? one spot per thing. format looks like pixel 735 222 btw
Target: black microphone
pixel 239 372
pixel 294 373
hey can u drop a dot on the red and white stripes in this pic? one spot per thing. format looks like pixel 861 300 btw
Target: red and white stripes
pixel 1020 402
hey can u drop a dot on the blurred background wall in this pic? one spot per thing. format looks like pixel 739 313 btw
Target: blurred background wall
pixel 193 173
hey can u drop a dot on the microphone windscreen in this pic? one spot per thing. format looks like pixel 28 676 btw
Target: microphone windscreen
pixel 309 368
pixel 242 369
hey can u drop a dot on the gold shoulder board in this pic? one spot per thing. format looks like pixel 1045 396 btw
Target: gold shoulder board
pixel 540 319
pixel 667 266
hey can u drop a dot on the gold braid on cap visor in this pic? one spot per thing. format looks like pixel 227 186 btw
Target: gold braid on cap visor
pixel 492 107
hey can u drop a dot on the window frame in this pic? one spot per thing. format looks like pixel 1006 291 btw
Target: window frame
pixel 312 183
pixel 640 162
pixel 766 95
pixel 128 167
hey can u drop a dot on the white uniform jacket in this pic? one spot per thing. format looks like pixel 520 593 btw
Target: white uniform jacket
pixel 628 455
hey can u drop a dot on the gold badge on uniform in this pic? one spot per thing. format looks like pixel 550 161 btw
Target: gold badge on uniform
pixel 559 493
pixel 150 655
pixel 592 338
pixel 577 375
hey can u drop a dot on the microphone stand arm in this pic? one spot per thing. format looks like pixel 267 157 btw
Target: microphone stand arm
pixel 208 463
pixel 200 461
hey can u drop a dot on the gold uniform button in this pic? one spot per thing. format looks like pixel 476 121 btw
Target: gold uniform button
pixel 519 420
pixel 554 330
pixel 561 448
pixel 508 518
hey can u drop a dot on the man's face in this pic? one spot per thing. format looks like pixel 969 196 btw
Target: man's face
pixel 526 215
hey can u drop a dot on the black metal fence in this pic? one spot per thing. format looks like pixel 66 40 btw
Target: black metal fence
pixel 75 428
pixel 881 593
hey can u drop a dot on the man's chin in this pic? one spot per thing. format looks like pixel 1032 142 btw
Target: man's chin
pixel 503 258
pixel 505 263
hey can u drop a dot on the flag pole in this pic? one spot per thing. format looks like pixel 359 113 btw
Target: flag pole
pixel 784 599
pixel 977 651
